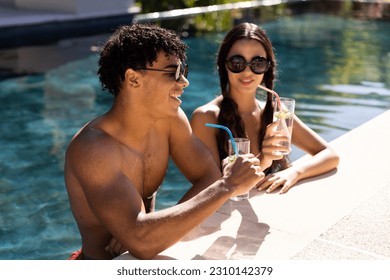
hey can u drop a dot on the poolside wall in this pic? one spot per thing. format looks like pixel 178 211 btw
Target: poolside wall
pixel 71 6
pixel 36 22
pixel 10 2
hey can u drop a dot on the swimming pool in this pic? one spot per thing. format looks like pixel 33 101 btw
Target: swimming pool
pixel 337 69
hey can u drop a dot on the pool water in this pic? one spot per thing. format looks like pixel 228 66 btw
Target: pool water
pixel 337 69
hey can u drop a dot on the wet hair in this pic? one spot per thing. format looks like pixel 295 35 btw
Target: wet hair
pixel 135 46
pixel 229 115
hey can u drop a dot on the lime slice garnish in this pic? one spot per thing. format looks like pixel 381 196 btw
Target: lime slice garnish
pixel 285 114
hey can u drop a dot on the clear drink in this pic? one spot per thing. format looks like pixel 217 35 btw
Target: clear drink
pixel 284 114
pixel 243 147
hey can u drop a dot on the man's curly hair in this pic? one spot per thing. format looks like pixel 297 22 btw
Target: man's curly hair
pixel 135 46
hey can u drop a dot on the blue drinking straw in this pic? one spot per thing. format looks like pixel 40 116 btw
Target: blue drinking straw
pixel 228 131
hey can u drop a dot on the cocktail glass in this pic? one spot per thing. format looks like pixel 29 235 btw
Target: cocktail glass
pixel 284 114
pixel 242 147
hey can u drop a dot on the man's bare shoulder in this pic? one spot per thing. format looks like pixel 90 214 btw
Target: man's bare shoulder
pixel 91 137
pixel 91 144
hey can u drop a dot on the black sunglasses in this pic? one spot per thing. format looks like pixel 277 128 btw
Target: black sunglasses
pixel 258 64
pixel 182 69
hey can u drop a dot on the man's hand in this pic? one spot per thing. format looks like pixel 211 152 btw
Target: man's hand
pixel 242 174
pixel 115 248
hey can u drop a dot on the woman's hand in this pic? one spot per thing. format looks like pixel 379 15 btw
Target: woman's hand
pixel 284 180
pixel 271 145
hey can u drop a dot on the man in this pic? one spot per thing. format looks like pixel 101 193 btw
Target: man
pixel 115 163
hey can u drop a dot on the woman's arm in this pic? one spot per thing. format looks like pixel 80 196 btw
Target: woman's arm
pixel 323 159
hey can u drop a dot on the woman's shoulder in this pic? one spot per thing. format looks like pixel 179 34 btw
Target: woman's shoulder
pixel 211 107
pixel 207 113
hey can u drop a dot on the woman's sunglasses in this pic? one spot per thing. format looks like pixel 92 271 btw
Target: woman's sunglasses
pixel 181 70
pixel 258 64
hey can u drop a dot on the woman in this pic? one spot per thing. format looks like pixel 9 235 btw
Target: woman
pixel 246 60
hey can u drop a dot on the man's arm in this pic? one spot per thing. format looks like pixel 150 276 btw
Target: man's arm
pixel 117 204
pixel 192 157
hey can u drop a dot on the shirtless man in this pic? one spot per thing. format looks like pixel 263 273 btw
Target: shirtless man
pixel 115 163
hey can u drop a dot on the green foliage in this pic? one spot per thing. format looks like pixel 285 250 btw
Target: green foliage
pixel 221 21
pixel 149 6
pixel 208 22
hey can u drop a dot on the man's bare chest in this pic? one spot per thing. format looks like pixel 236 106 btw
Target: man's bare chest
pixel 146 169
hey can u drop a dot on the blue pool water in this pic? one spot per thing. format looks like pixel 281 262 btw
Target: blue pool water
pixel 337 69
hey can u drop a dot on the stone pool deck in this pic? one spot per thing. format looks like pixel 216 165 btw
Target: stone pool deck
pixel 343 215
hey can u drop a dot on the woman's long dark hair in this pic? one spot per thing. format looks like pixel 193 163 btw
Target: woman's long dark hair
pixel 229 115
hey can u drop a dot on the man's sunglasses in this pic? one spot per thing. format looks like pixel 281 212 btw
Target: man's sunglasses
pixel 181 70
pixel 258 64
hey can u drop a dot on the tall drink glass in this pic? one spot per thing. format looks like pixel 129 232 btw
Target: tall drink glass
pixel 284 113
pixel 243 147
